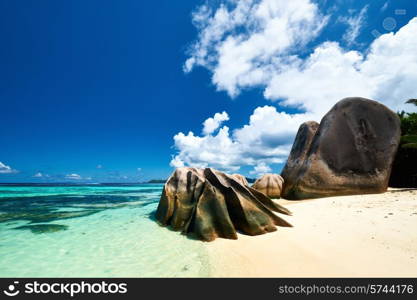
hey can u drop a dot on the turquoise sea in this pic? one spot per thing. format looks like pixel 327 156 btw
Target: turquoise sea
pixel 91 231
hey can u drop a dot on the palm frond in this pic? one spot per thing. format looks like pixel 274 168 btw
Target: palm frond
pixel 412 101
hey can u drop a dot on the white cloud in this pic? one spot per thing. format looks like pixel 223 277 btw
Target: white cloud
pixel 73 176
pixel 41 175
pixel 387 72
pixel 266 139
pixel 212 124
pixel 260 169
pixel 242 40
pixel 257 44
pixel 355 23
pixel 4 169
pixel 219 150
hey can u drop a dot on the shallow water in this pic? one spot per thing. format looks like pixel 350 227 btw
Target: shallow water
pixel 91 231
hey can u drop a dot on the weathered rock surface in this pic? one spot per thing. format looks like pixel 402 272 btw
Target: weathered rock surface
pixel 240 178
pixel 206 204
pixel 351 152
pixel 298 154
pixel 270 185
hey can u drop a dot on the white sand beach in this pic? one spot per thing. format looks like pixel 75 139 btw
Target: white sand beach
pixel 348 236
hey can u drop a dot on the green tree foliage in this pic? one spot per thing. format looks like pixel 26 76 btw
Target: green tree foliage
pixel 404 170
pixel 412 101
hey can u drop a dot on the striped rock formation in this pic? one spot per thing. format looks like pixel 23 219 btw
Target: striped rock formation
pixel 270 185
pixel 206 204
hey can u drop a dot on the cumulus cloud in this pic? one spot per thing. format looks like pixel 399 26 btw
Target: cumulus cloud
pixel 388 73
pixel 265 140
pixel 218 150
pixel 4 169
pixel 241 40
pixel 211 124
pixel 73 176
pixel 266 44
pixel 247 44
pixel 260 169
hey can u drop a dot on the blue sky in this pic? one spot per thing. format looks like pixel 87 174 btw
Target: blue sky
pixel 95 91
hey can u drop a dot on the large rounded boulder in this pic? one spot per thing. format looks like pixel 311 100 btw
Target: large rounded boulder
pixel 351 152
pixel 270 185
pixel 241 179
pixel 206 204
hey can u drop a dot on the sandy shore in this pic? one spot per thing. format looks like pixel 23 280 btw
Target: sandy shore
pixel 349 236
